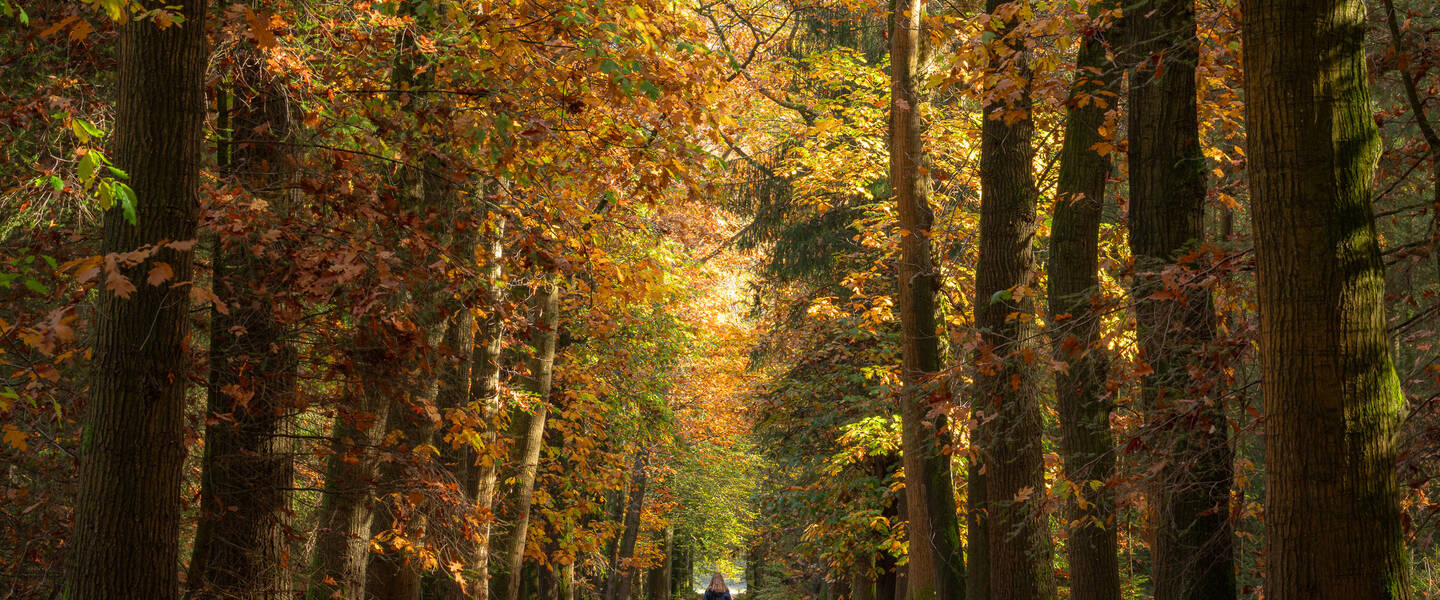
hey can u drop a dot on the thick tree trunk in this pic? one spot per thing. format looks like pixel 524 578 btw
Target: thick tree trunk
pixel 242 541
pixel 1086 443
pixel 133 445
pixel 937 563
pixel 1193 548
pixel 622 572
pixel 530 429
pixel 1006 378
pixel 1332 400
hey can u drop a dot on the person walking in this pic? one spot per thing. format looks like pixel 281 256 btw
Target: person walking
pixel 717 589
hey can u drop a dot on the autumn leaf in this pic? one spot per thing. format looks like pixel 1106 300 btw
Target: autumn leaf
pixel 16 438
pixel 159 273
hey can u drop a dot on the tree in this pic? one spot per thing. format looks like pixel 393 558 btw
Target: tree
pixel 1332 399
pixel 937 565
pixel 1187 430
pixel 243 538
pixel 1006 379
pixel 528 430
pixel 133 445
pixel 1086 443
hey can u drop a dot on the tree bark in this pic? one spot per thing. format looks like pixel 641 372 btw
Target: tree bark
pixel 937 563
pixel 1333 403
pixel 1086 444
pixel 133 445
pixel 242 541
pixel 530 427
pixel 1187 431
pixel 1006 379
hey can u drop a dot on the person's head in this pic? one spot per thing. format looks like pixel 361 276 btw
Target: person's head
pixel 717 583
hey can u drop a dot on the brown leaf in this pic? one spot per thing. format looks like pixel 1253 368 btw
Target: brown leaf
pixel 160 273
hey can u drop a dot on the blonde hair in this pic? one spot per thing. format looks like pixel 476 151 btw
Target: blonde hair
pixel 717 583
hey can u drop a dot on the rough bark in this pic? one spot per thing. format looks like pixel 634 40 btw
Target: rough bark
pixel 1193 556
pixel 529 427
pixel 1006 378
pixel 1087 445
pixel 242 541
pixel 937 565
pixel 133 445
pixel 1332 400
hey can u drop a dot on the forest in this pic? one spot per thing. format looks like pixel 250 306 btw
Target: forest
pixel 838 299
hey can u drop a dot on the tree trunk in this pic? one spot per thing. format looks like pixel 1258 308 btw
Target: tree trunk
pixel 937 565
pixel 1086 443
pixel 242 540
pixel 1193 548
pixel 622 572
pixel 1006 377
pixel 342 538
pixel 658 587
pixel 530 427
pixel 485 389
pixel 1332 400
pixel 133 445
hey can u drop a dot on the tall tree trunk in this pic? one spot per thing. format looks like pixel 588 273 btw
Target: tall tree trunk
pixel 1187 430
pixel 1086 443
pixel 1006 377
pixel 242 541
pixel 622 572
pixel 529 425
pixel 937 563
pixel 1332 400
pixel 133 445
pixel 485 390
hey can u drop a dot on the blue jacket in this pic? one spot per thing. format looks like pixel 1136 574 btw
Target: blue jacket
pixel 713 595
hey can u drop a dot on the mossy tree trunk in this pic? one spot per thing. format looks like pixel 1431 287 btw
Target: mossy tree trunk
pixel 1332 400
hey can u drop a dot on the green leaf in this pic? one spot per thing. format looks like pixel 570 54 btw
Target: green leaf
pixel 57 183
pixel 1001 296
pixel 35 286
pixel 118 173
pixel 128 201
